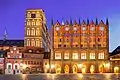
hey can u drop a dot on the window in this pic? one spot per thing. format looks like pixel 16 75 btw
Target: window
pixel 83 55
pixel 28 31
pixel 16 67
pixel 66 28
pixel 28 42
pixel 92 55
pixel 33 31
pixel 33 42
pixel 101 28
pixel 37 43
pixel 75 56
pixel 66 55
pixel 83 28
pixel 9 67
pixel 33 15
pixel 75 28
pixel 57 55
pixel 92 28
pixel 57 28
pixel 101 56
pixel 59 45
pixel 38 31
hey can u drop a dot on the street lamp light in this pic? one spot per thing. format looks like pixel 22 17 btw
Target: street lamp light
pixel 24 66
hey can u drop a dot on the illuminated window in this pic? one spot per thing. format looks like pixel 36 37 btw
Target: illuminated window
pixel 83 55
pixel 33 31
pixel 57 28
pixel 101 56
pixel 92 28
pixel 11 51
pixel 33 42
pixel 38 31
pixel 92 55
pixel 75 56
pixel 101 28
pixel 83 28
pixel 28 15
pixel 20 56
pixel 8 56
pixel 37 43
pixel 75 28
pixel 66 55
pixel 14 48
pixel 28 42
pixel 28 31
pixel 66 28
pixel 17 51
pixel 57 55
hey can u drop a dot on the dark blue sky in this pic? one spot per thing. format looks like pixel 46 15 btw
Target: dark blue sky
pixel 12 14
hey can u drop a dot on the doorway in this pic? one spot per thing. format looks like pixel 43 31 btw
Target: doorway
pixel 66 69
pixel 75 68
pixel 58 69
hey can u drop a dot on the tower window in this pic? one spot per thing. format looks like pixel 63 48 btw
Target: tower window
pixel 33 15
pixel 59 45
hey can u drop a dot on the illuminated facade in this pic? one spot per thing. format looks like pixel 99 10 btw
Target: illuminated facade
pixel 13 61
pixel 79 47
pixel 36 32
pixel 115 60
pixel 33 60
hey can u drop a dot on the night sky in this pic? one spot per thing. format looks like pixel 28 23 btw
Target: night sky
pixel 12 14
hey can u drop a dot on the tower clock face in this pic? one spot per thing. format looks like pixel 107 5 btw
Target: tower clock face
pixel 92 28
pixel 57 28
pixel 101 28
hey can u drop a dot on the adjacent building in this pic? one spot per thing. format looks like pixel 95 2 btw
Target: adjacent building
pixel 80 47
pixel 33 60
pixel 115 60
pixel 13 61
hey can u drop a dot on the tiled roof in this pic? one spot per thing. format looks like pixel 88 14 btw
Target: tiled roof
pixel 18 43
pixel 116 51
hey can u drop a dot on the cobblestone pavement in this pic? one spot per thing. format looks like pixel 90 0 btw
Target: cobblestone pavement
pixel 106 76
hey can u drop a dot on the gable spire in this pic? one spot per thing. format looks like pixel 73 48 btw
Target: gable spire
pixel 52 23
pixel 5 34
pixel 96 22
pixel 79 21
pixel 107 22
pixel 70 21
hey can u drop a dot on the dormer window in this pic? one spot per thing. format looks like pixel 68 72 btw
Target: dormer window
pixel 75 28
pixel 101 28
pixel 92 28
pixel 57 28
pixel 83 28
pixel 66 28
